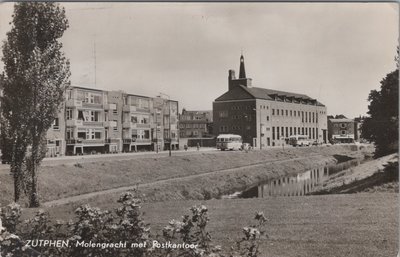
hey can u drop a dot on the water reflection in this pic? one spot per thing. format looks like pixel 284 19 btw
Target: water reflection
pixel 297 185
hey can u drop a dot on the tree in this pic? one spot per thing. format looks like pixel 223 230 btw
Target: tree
pixel 382 126
pixel 36 73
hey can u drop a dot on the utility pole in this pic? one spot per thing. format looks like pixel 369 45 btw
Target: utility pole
pixel 169 122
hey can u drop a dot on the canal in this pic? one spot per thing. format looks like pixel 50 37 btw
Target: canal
pixel 295 185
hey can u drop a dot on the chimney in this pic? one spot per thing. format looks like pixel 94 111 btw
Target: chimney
pixel 231 77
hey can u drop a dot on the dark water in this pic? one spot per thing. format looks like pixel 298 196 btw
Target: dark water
pixel 296 185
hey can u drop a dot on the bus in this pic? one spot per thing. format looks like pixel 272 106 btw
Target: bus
pixel 229 142
pixel 299 140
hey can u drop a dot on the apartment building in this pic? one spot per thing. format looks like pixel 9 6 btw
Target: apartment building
pixel 195 123
pixel 266 117
pixel 98 121
pixel 342 130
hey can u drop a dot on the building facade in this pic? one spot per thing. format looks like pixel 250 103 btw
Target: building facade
pixel 195 124
pixel 342 130
pixel 265 117
pixel 114 121
pixel 99 121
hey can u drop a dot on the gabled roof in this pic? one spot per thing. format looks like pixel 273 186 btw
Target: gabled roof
pixel 237 93
pixel 241 92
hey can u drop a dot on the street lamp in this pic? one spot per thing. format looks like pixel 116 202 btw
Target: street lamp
pixel 169 120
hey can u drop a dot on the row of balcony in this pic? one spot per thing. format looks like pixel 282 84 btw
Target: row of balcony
pixel 126 108
pixel 80 103
pixel 105 141
pixel 75 123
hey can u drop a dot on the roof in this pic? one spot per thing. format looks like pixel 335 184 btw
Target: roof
pixel 341 120
pixel 242 92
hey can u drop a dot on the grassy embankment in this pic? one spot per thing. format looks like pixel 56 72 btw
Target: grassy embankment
pixel 57 182
pixel 373 176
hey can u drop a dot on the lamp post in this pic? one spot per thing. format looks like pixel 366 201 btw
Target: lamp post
pixel 169 120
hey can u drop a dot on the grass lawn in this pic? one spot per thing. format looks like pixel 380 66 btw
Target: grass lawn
pixel 356 225
pixel 351 225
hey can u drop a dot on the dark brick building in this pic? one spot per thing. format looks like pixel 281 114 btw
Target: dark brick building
pixel 265 115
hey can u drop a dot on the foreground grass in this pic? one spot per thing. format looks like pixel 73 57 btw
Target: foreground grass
pixel 355 225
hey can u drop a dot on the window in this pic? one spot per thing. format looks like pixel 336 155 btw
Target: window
pixel 287 113
pixel 69 114
pixel 116 127
pixel 277 133
pixel 223 114
pixel 273 111
pixel 343 125
pixel 70 133
pixel 81 135
pixel 290 112
pixel 115 112
pixel 56 124
pixel 134 119
pixel 267 118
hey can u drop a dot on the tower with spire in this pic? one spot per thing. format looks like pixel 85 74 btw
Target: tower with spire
pixel 242 71
pixel 242 80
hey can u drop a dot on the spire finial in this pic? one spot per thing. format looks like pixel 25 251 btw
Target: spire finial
pixel 242 72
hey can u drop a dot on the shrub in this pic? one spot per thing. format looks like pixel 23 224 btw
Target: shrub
pixel 124 224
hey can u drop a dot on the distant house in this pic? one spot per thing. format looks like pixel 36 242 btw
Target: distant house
pixel 195 124
pixel 342 130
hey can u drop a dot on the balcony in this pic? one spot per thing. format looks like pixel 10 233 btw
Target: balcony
pixel 92 105
pixel 129 108
pixel 112 141
pixel 85 141
pixel 110 123
pixel 93 123
pixel 136 141
pixel 73 103
pixel 110 106
pixel 138 125
pixel 128 124
pixel 74 123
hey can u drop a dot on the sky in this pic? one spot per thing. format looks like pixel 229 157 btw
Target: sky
pixel 334 52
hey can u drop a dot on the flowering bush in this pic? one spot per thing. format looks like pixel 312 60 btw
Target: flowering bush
pixel 124 224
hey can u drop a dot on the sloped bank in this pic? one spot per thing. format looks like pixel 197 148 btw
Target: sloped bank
pixel 216 184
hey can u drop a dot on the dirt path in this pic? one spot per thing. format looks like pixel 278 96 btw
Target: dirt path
pixel 76 198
